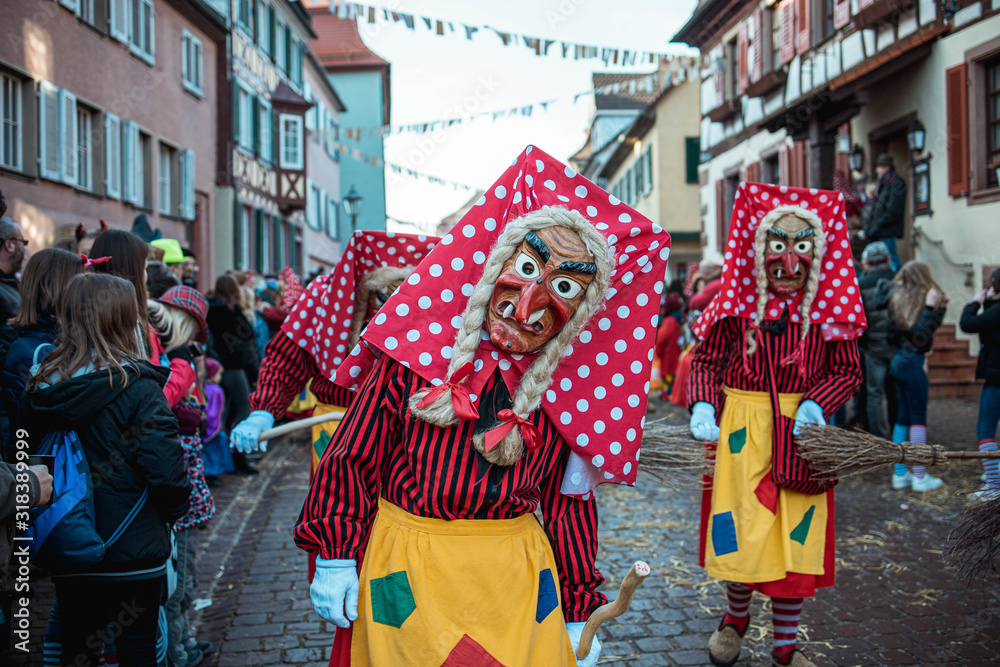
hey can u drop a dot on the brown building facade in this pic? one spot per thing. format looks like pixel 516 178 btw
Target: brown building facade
pixel 108 111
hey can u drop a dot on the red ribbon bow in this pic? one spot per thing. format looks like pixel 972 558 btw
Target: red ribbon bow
pixel 529 432
pixel 88 262
pixel 461 401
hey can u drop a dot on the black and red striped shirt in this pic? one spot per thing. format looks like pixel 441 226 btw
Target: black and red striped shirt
pixel 833 368
pixel 435 472
pixel 283 375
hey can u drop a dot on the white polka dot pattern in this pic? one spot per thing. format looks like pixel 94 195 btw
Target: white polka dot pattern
pixel 610 360
pixel 838 292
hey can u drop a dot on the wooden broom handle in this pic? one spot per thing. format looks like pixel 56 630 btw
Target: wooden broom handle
pixel 635 576
pixel 299 424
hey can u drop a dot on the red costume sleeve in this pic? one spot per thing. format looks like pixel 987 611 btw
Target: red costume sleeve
pixel 571 525
pixel 841 379
pixel 707 364
pixel 343 498
pixel 283 375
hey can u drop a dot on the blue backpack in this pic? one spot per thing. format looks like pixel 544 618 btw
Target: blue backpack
pixel 63 534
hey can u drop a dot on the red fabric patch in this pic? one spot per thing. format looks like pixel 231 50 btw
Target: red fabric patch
pixel 467 653
pixel 767 494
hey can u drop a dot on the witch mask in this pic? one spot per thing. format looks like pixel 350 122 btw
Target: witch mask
pixel 539 290
pixel 789 254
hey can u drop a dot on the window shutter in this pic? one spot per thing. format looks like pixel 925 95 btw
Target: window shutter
pixel 742 54
pixel 310 204
pixel 275 144
pixel 759 44
pixel 48 130
pixel 720 76
pixel 118 19
pixel 956 91
pixel 797 158
pixel 862 4
pixel 720 214
pixel 753 172
pixel 255 124
pixel 187 184
pixel 260 241
pixel 784 166
pixel 787 9
pixel 803 28
pixel 68 135
pixel 692 155
pixel 270 32
pixel 841 13
pixel 112 155
pixel 150 46
pixel 649 170
pixel 128 173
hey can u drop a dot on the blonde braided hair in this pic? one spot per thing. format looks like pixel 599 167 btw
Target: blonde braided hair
pixel 812 282
pixel 539 375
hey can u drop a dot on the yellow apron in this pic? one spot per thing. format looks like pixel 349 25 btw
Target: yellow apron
pixel 322 434
pixel 745 540
pixel 438 593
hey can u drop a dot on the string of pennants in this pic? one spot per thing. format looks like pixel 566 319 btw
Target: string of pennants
pixel 651 83
pixel 412 173
pixel 540 46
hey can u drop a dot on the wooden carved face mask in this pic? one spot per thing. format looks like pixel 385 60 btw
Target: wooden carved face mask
pixel 789 255
pixel 539 290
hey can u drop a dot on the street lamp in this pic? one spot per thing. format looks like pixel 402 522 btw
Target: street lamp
pixel 916 136
pixel 353 204
pixel 856 158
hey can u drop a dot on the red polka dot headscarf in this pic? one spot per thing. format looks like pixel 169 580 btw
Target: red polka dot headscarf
pixel 293 288
pixel 320 322
pixel 596 397
pixel 836 301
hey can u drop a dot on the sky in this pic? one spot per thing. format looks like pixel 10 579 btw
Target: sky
pixel 438 77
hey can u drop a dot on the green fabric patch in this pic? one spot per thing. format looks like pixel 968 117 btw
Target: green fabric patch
pixel 321 443
pixel 737 439
pixel 801 531
pixel 392 599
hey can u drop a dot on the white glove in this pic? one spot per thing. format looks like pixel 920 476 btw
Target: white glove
pixel 574 630
pixel 703 424
pixel 245 434
pixel 809 412
pixel 334 590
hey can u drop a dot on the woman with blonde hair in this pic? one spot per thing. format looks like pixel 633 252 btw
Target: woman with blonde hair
pixel 916 310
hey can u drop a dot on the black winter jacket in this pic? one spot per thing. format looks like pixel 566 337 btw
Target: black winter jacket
pixel 886 218
pixel 987 325
pixel 129 436
pixel 234 341
pixel 10 303
pixel 875 297
pixel 920 337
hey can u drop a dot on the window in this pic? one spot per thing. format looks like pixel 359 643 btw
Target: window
pixel 112 156
pixel 142 30
pixel 57 132
pixel 261 259
pixel 191 62
pixel 827 20
pixel 281 45
pixel 244 118
pixel 118 19
pixel 732 71
pixel 992 121
pixel 242 238
pixel 265 144
pixel 84 148
pixel 11 123
pixel 136 165
pixel 186 182
pixel 86 11
pixel 278 243
pixel 771 169
pixel 264 27
pixel 291 142
pixel 332 217
pixel 164 179
pixel 314 205
pixel 244 15
pixel 774 17
pixel 647 170
pixel 295 61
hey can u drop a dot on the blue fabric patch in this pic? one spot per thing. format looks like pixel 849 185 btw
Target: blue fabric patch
pixel 547 597
pixel 724 534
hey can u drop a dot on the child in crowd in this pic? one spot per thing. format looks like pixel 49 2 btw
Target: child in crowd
pixel 96 384
pixel 216 453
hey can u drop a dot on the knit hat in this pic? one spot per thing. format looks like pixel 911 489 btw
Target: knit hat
pixel 875 253
pixel 211 367
pixel 595 397
pixel 190 301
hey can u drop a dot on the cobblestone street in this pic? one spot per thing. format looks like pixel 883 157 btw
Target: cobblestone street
pixel 895 602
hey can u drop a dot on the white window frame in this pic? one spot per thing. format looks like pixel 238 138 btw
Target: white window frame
pixel 142 23
pixel 192 62
pixel 112 155
pixel 48 131
pixel 163 185
pixel 187 172
pixel 265 141
pixel 119 19
pixel 11 122
pixel 84 148
pixel 67 136
pixel 285 162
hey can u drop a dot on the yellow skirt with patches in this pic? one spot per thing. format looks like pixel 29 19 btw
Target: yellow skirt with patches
pixel 322 434
pixel 757 532
pixel 438 593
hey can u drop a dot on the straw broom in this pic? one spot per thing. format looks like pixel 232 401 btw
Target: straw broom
pixel 976 540
pixel 676 459
pixel 836 452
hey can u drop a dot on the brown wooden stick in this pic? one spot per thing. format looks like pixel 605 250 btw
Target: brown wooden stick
pixel 619 606
pixel 298 425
